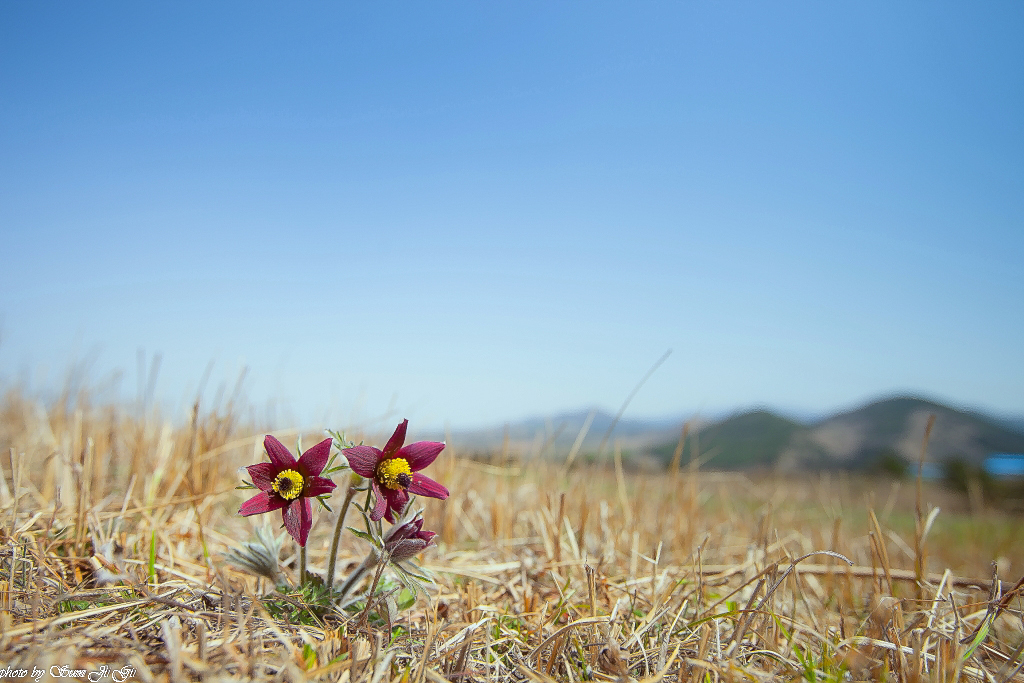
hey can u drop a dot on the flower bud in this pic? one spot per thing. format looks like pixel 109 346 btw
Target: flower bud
pixel 404 541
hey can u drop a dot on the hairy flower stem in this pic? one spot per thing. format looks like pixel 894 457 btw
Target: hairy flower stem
pixel 369 563
pixel 369 596
pixel 337 530
pixel 302 565
pixel 371 560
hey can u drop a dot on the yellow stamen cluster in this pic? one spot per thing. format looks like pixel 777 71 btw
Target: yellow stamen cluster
pixel 288 484
pixel 395 473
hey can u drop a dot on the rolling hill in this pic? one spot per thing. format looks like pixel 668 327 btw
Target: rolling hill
pixel 761 438
pixel 749 439
pixel 558 433
pixel 856 438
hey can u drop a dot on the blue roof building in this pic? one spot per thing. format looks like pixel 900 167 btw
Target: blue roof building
pixel 1005 464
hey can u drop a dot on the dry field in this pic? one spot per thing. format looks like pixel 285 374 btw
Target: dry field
pixel 115 528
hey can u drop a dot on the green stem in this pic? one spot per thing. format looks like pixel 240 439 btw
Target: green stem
pixel 366 507
pixel 302 566
pixel 337 531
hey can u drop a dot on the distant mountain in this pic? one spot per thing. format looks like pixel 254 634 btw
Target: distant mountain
pixel 854 439
pixel 1014 424
pixel 558 433
pixel 747 439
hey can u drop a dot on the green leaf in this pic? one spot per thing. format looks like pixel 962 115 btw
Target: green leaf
pixel 980 637
pixel 308 656
pixel 406 599
pixel 405 571
pixel 330 461
pixel 365 536
pixel 152 557
pixel 73 606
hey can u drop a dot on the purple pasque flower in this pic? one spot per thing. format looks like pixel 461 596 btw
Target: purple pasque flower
pixel 394 472
pixel 288 484
pixel 404 541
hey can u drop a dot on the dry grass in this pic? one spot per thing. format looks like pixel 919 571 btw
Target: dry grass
pixel 542 574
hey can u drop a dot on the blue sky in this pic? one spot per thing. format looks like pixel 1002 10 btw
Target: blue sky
pixel 464 213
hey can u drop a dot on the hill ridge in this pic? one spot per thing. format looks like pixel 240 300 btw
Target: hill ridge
pixel 761 436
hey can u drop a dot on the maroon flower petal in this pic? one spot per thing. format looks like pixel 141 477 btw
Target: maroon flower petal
pixel 298 519
pixel 425 486
pixel 318 486
pixel 397 498
pixel 400 533
pixel 279 455
pixel 396 440
pixel 382 503
pixel 263 475
pixel 420 454
pixel 261 502
pixel 316 457
pixel 363 460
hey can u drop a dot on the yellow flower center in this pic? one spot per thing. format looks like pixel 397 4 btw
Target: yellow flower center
pixel 395 473
pixel 288 484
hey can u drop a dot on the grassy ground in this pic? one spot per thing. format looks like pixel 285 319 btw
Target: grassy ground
pixel 114 531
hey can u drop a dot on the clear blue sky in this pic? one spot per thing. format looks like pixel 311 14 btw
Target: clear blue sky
pixel 473 212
